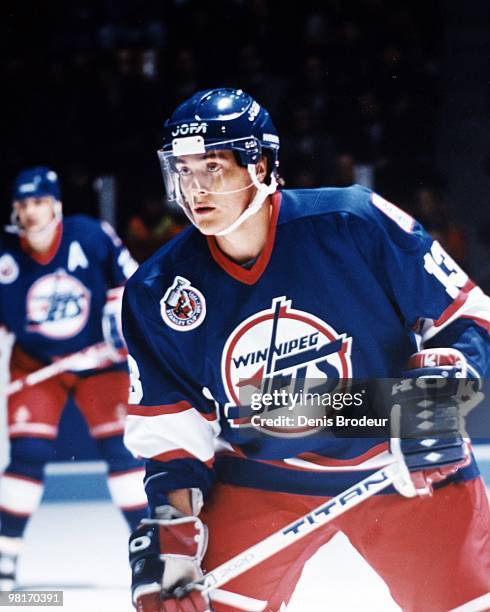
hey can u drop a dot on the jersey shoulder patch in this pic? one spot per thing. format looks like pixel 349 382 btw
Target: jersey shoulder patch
pixel 405 221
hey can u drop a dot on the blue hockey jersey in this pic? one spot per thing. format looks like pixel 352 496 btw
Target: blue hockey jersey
pixel 53 301
pixel 348 287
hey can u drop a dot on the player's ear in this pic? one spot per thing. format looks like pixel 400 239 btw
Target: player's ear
pixel 261 168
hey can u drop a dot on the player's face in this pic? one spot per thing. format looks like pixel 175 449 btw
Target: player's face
pixel 216 188
pixel 35 214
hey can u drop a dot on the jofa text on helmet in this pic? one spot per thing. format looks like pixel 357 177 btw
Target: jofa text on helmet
pixel 190 128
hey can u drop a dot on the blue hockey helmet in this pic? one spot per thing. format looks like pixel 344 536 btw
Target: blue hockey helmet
pixel 35 183
pixel 222 118
pixel 225 118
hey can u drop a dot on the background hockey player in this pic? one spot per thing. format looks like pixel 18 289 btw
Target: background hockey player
pixel 60 292
pixel 317 285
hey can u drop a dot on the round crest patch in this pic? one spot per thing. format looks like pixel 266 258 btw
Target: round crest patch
pixel 9 270
pixel 183 307
pixel 57 305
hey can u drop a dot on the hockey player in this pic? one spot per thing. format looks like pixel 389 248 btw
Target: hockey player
pixel 60 291
pixel 318 286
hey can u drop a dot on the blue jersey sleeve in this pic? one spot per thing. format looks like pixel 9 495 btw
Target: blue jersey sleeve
pixel 436 298
pixel 170 421
pixel 118 262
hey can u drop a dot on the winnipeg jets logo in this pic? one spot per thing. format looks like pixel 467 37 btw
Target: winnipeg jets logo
pixel 9 270
pixel 58 306
pixel 183 307
pixel 283 348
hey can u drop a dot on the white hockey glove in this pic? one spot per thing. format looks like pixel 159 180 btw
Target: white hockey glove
pixel 165 555
pixel 427 427
pixel 112 325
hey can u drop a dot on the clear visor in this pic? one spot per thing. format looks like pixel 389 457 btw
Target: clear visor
pixel 193 171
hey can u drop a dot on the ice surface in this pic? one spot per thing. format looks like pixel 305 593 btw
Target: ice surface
pixel 81 549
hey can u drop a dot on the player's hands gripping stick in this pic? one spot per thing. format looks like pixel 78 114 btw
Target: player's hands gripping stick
pixel 165 555
pixel 427 419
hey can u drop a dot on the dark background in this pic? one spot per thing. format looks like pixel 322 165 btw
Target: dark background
pixel 392 94
pixel 395 94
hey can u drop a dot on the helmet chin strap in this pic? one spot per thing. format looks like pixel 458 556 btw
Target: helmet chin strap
pixel 255 205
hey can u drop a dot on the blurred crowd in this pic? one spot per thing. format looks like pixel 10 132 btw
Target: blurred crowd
pixel 353 88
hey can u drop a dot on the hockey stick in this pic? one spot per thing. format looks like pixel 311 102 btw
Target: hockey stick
pixel 96 356
pixel 295 531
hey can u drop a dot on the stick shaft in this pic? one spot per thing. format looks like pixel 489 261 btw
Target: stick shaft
pixel 295 531
pixel 101 356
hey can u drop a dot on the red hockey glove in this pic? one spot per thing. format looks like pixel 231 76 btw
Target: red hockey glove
pixel 165 555
pixel 428 406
